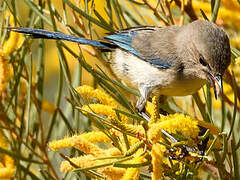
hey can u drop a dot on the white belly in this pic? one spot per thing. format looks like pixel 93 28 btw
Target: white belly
pixel 137 73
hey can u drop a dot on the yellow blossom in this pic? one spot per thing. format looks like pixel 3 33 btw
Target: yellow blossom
pixel 96 136
pixel 155 112
pixel 112 152
pixel 231 4
pixel 98 94
pixel 61 144
pixel 88 161
pixel 7 170
pixel 237 60
pixel 14 41
pixel 88 147
pixel 133 173
pixel 3 143
pixel 157 159
pixel 70 141
pixel 235 41
pixel 129 128
pixel 137 139
pixel 7 173
pixel 104 110
pixel 149 108
pixel 81 162
pixel 78 142
pixel 172 124
pixel 75 140
pixel 5 74
pixel 47 106
pixel 225 14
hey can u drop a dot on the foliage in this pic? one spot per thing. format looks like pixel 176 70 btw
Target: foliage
pixel 106 138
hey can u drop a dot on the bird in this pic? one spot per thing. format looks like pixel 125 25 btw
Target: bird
pixel 161 61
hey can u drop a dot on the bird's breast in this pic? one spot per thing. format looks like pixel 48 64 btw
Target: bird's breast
pixel 137 73
pixel 179 87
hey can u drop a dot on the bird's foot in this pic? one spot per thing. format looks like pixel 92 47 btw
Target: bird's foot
pixel 141 108
pixel 141 104
pixel 144 115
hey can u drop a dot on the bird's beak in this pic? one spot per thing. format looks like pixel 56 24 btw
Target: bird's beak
pixel 216 81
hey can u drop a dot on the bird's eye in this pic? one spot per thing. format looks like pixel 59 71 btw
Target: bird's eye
pixel 202 61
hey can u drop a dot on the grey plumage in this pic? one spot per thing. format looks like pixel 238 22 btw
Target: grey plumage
pixel 196 53
pixel 169 61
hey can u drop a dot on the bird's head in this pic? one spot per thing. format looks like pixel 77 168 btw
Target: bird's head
pixel 210 50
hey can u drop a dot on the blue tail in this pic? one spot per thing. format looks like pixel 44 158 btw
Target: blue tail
pixel 40 33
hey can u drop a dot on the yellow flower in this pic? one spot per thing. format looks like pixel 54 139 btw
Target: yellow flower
pixel 237 60
pixel 130 144
pixel 14 41
pixel 88 161
pixel 88 147
pixel 104 110
pixel 155 112
pixel 5 69
pixel 8 169
pixel 61 144
pixel 47 106
pixel 67 142
pixel 77 142
pixel 3 143
pixel 96 136
pixel 149 108
pixel 157 159
pixel 235 41
pixel 7 173
pixel 112 152
pixel 133 173
pixel 98 94
pixel 107 109
pixel 231 5
pixel 81 162
pixel 172 124
pixel 225 14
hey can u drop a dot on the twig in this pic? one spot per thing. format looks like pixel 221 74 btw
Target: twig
pixel 181 21
pixel 188 9
pixel 168 12
pixel 155 12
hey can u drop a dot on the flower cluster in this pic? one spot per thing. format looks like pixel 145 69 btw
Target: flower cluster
pixel 12 43
pixel 7 168
pixel 130 147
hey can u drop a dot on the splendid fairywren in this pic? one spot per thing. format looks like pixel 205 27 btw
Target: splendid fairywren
pixel 169 61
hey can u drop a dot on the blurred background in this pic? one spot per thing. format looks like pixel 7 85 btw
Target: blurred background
pixel 35 95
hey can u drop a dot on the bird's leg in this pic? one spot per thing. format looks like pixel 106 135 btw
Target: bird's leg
pixel 144 91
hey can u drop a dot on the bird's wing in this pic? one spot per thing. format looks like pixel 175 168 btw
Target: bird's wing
pixel 141 42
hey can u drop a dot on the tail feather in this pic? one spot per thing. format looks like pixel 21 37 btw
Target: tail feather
pixel 40 33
